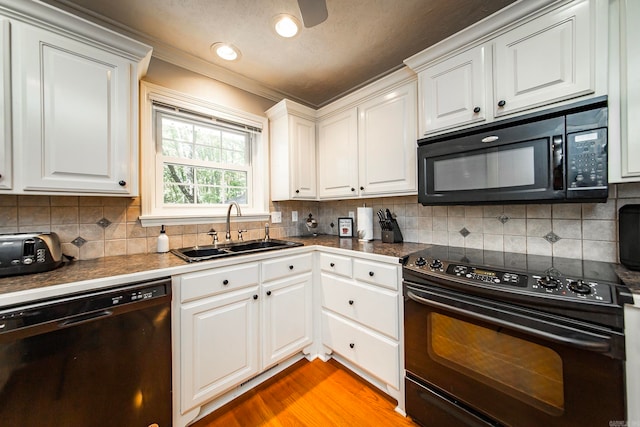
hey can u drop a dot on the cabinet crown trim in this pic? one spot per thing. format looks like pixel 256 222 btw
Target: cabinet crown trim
pixel 480 32
pixel 57 20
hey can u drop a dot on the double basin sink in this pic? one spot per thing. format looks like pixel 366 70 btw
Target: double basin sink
pixel 203 253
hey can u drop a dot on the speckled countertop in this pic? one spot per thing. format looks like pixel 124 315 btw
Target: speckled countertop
pixel 73 276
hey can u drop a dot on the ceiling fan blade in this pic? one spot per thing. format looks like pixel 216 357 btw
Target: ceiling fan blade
pixel 313 12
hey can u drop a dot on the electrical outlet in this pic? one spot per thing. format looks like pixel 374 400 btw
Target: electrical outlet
pixel 352 215
pixel 294 216
pixel 276 217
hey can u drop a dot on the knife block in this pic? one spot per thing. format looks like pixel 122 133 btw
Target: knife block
pixel 394 235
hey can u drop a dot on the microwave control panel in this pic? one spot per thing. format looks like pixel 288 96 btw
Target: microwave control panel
pixel 587 159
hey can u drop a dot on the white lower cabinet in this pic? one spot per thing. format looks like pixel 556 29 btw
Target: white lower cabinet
pixel 361 311
pixel 287 317
pixel 219 345
pixel 238 324
pixel 236 321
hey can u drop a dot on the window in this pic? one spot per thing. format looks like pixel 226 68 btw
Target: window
pixel 203 157
pixel 202 164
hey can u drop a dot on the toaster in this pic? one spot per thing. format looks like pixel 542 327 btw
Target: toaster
pixel 25 253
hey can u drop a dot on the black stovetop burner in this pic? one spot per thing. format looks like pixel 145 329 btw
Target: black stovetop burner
pixel 584 290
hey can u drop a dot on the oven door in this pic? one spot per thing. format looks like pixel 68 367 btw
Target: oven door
pixel 516 164
pixel 472 362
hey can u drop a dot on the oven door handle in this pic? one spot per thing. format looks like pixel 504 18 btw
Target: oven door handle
pixel 601 345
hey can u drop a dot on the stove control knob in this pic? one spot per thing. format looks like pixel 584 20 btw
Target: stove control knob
pixel 420 261
pixel 549 282
pixel 579 287
pixel 436 264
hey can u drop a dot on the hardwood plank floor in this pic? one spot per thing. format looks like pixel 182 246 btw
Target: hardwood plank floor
pixel 310 394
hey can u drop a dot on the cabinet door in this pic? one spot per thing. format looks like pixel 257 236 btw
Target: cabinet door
pixel 387 135
pixel 287 318
pixel 303 166
pixel 219 345
pixel 5 107
pixel 630 88
pixel 73 119
pixel 338 155
pixel 545 60
pixel 452 92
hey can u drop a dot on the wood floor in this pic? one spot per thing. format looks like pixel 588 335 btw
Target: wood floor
pixel 310 394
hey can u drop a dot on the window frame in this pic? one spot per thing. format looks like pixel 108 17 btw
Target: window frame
pixel 154 212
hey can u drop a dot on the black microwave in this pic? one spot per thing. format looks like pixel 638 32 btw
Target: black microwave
pixel 556 155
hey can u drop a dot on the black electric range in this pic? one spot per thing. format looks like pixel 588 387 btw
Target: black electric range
pixel 578 289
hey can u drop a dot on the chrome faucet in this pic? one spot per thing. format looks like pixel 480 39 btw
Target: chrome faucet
pixel 214 234
pixel 228 234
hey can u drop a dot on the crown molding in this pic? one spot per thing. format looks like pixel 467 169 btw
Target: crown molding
pixel 168 53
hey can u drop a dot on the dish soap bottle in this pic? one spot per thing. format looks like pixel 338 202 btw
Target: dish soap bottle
pixel 163 241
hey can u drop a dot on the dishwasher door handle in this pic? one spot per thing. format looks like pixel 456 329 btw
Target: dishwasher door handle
pixel 86 317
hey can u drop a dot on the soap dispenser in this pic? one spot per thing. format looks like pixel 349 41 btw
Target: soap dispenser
pixel 163 241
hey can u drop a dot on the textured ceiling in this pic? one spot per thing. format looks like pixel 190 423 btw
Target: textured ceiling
pixel 360 40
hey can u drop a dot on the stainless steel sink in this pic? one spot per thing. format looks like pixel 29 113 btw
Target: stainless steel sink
pixel 203 253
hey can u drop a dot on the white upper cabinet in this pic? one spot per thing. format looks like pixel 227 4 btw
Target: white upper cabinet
pixel 74 103
pixel 545 60
pixel 453 91
pixel 293 151
pixel 387 134
pixel 80 96
pixel 624 151
pixel 367 140
pixel 5 106
pixel 525 57
pixel 338 155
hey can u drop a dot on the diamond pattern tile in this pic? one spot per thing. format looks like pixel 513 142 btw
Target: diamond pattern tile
pixel 503 218
pixel 78 241
pixel 104 223
pixel 551 237
pixel 464 232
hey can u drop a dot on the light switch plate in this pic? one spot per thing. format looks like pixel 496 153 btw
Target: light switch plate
pixel 294 216
pixel 352 215
pixel 276 217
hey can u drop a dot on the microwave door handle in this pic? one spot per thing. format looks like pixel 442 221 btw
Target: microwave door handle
pixel 597 346
pixel 557 156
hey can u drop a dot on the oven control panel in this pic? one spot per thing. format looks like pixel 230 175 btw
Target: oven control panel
pixel 566 286
pixel 553 286
pixel 487 275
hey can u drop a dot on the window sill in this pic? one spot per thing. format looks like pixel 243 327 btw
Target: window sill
pixel 158 220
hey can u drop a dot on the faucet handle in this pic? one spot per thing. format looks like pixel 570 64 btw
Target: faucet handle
pixel 240 234
pixel 266 232
pixel 214 234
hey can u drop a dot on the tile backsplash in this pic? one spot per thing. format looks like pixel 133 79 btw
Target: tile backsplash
pixel 95 227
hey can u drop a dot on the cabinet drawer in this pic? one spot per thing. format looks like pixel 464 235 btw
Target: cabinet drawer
pixel 336 264
pixel 210 282
pixel 373 307
pixel 370 351
pixel 374 272
pixel 286 266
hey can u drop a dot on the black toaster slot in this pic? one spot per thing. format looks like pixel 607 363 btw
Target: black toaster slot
pixel 29 248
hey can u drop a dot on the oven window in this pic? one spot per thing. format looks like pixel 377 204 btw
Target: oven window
pixel 514 167
pixel 525 370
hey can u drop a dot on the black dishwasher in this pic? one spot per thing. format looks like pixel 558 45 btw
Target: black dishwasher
pixel 95 359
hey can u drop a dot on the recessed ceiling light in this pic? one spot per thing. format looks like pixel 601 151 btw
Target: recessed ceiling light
pixel 286 25
pixel 226 51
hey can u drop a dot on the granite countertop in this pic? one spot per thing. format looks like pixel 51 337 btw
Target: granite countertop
pixel 104 268
pixel 629 277
pixel 78 272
